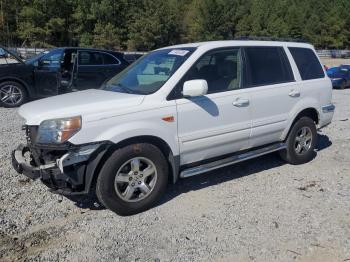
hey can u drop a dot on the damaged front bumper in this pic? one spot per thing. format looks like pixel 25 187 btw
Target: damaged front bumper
pixel 69 170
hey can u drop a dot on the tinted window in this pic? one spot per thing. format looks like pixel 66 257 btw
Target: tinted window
pixel 267 66
pixel 307 63
pixel 221 69
pixel 90 58
pixel 109 59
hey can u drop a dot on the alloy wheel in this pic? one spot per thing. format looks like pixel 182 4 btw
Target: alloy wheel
pixel 303 140
pixel 11 95
pixel 135 179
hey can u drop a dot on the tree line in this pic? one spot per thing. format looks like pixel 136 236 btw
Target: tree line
pixel 147 24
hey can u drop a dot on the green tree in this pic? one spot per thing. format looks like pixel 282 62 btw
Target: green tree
pixel 212 20
pixel 155 25
pixel 147 24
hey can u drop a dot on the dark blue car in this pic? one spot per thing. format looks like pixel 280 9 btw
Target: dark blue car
pixel 340 76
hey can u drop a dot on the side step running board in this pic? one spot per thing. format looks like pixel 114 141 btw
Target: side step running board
pixel 231 160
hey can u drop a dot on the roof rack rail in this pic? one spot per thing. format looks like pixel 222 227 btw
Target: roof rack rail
pixel 270 38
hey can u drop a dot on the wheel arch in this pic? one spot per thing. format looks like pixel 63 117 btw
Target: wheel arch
pixel 173 161
pixel 310 112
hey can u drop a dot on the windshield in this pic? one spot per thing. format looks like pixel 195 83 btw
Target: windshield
pixel 7 58
pixel 149 74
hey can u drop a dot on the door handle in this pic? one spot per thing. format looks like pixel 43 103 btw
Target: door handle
pixel 294 93
pixel 239 102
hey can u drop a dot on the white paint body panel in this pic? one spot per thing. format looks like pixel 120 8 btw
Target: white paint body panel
pixel 211 125
pixel 203 127
pixel 270 107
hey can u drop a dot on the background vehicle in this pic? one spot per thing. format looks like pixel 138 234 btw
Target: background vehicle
pixel 340 76
pixel 58 71
pixel 177 112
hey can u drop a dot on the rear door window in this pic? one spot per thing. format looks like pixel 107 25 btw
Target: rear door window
pixel 266 66
pixel 308 65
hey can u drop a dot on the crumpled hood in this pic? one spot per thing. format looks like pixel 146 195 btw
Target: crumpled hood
pixel 85 103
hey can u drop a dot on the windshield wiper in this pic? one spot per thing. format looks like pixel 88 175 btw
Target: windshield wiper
pixel 124 89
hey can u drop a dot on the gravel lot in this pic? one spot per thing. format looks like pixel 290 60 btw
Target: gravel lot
pixel 330 62
pixel 260 210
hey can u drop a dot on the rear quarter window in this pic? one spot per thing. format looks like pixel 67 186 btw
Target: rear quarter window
pixel 110 60
pixel 308 65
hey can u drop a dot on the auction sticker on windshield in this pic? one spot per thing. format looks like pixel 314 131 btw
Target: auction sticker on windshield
pixel 178 52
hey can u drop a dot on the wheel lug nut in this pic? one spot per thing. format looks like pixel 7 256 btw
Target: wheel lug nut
pixel 139 182
pixel 130 178
pixel 133 184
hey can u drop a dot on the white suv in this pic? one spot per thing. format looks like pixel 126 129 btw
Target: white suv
pixel 178 111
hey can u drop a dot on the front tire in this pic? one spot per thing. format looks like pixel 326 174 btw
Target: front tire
pixel 12 94
pixel 133 179
pixel 343 85
pixel 301 142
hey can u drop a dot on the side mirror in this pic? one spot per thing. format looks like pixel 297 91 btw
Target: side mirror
pixel 194 88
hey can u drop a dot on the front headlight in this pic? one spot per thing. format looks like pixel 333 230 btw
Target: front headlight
pixel 58 130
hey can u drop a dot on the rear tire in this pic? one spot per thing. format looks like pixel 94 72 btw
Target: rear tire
pixel 301 142
pixel 12 94
pixel 133 179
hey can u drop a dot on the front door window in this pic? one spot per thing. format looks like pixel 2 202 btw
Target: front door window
pixel 221 70
pixel 52 60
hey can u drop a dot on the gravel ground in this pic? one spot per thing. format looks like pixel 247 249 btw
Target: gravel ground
pixel 260 210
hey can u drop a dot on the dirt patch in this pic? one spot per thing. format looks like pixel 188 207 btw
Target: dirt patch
pixel 13 248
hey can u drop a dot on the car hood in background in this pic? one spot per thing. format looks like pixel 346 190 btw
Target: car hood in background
pixel 90 104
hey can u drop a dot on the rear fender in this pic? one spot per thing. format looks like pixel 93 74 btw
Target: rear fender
pixel 299 107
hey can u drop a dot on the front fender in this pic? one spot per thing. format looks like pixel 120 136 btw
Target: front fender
pixel 118 129
pixel 142 128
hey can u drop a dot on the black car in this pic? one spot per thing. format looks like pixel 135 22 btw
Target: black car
pixel 57 71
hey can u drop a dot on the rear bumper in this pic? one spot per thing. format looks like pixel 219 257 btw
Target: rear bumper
pixel 70 174
pixel 326 115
